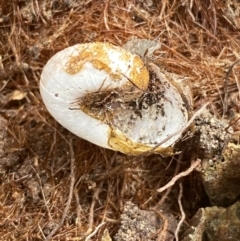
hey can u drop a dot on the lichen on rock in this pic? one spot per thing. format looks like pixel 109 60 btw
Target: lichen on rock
pixel 215 224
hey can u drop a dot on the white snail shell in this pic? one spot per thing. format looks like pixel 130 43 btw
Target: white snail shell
pixel 106 95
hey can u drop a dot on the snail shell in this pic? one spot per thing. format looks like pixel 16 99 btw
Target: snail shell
pixel 106 95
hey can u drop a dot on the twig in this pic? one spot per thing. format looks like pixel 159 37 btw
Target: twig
pixel 41 231
pixel 181 174
pixel 162 9
pixel 42 192
pixel 183 215
pixel 163 198
pixel 14 50
pixel 225 105
pixel 91 211
pixel 105 16
pixel 95 231
pixel 72 181
pixel 79 209
pixel 163 229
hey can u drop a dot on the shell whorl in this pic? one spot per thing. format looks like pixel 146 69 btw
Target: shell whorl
pixel 109 97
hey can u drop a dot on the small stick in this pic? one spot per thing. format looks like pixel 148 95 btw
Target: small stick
pixel 14 50
pixel 79 209
pixel 183 215
pixel 164 197
pixel 43 195
pixel 225 106
pixel 105 16
pixel 95 231
pixel 181 174
pixel 163 229
pixel 72 181
pixel 91 211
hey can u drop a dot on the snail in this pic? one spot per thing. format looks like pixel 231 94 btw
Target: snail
pixel 110 97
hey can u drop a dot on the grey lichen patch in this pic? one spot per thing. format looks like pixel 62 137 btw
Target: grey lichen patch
pixel 221 178
pixel 210 136
pixel 220 160
pixel 215 224
pixel 137 224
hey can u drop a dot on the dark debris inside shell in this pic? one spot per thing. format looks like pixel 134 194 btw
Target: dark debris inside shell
pixel 127 110
pixel 147 109
pixel 101 103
